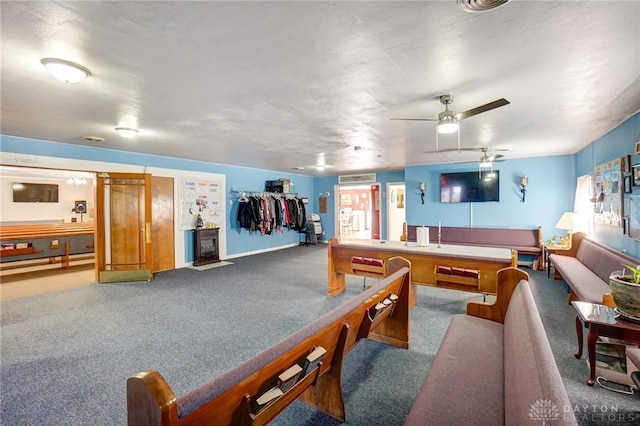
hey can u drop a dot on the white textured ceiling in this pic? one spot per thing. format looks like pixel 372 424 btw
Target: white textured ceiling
pixel 278 85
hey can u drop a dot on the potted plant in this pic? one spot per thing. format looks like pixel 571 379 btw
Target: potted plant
pixel 625 289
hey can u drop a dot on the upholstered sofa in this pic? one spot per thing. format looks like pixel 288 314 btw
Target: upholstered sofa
pixel 586 267
pixel 488 372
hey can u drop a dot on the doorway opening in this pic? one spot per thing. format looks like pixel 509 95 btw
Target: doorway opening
pixel 73 261
pixel 396 210
pixel 358 212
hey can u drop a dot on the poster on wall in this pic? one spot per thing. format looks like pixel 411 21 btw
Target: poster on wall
pixel 199 197
pixel 608 192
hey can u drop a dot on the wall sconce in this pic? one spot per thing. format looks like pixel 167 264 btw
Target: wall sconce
pixel 523 186
pixel 423 187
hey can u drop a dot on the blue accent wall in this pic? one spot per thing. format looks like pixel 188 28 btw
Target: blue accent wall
pixel 240 240
pixel 614 144
pixel 242 178
pixel 550 193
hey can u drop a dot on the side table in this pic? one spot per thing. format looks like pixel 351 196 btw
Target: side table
pixel 551 249
pixel 601 320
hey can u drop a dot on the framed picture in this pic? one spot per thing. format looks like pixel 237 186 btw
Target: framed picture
pixel 636 175
pixel 625 163
pixel 637 147
pixel 627 184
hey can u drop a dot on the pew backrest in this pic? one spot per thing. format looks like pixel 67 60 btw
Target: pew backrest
pixel 229 398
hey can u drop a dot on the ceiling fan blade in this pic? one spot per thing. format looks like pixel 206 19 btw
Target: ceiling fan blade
pixel 483 108
pixel 415 119
pixel 495 157
pixel 452 150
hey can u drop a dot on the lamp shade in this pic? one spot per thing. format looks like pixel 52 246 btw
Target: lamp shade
pixel 567 221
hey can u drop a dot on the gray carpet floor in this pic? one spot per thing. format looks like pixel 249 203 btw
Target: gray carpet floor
pixel 66 356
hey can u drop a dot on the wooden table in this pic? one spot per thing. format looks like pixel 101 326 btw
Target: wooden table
pixel 487 260
pixel 551 249
pixel 601 320
pixel 47 241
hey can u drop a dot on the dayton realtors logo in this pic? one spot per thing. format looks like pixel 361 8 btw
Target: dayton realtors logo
pixel 543 411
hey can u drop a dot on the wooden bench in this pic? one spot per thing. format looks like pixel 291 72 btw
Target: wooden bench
pixel 494 365
pixel 524 241
pixel 486 260
pixel 457 276
pixel 228 399
pixel 368 267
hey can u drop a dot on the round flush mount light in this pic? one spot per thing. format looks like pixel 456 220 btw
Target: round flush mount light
pixel 479 6
pixel 126 132
pixel 66 71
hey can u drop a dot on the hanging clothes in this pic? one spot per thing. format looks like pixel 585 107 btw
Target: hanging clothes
pixel 266 213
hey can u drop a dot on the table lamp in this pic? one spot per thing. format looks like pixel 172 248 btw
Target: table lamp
pixel 567 222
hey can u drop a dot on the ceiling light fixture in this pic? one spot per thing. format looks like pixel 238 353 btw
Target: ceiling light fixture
pixel 66 71
pixel 478 6
pixel 321 167
pixel 447 123
pixel 76 181
pixel 126 132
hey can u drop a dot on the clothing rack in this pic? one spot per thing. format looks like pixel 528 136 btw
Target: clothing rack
pixel 263 193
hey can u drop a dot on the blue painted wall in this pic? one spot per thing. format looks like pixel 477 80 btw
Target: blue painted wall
pixel 550 193
pixel 618 142
pixel 238 241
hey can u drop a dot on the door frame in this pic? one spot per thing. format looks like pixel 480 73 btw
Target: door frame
pixel 101 229
pixel 389 207
pixel 336 212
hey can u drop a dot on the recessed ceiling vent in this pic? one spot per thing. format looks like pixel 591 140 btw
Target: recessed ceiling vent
pixel 478 6
pixel 93 138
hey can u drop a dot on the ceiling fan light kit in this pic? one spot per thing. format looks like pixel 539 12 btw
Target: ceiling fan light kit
pixel 66 71
pixel 447 125
pixel 448 120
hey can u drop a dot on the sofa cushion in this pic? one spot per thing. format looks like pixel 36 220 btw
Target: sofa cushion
pixel 586 285
pixel 602 260
pixel 464 385
pixel 530 372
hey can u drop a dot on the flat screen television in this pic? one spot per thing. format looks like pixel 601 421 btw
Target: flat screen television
pixel 470 187
pixel 24 192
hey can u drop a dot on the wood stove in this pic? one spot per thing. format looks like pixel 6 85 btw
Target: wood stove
pixel 205 248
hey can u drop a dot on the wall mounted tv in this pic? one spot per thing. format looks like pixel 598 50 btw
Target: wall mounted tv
pixel 470 187
pixel 24 192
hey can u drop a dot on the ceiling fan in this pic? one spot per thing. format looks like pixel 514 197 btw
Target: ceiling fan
pixel 448 120
pixel 485 158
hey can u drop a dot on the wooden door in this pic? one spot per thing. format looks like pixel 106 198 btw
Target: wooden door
pixel 123 219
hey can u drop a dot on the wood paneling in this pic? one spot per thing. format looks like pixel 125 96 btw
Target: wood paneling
pixel 162 228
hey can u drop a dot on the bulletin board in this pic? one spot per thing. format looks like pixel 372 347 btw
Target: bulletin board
pixel 199 197
pixel 608 192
